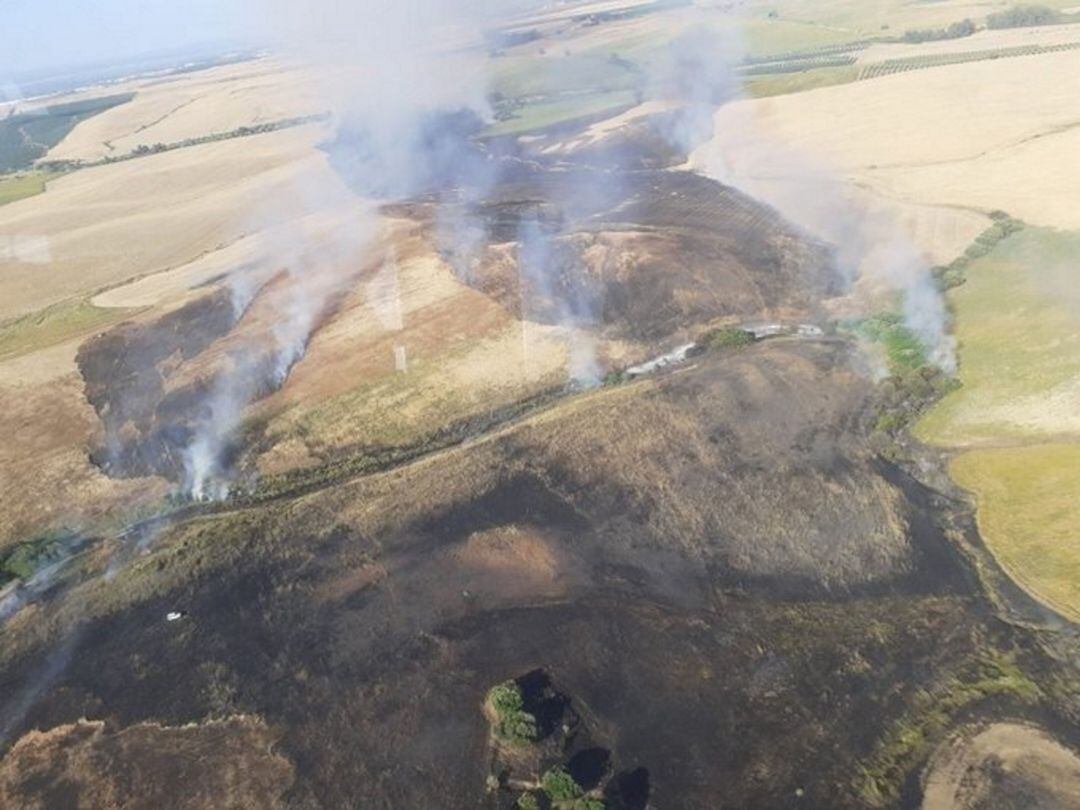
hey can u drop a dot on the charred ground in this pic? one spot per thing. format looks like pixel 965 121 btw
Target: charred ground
pixel 747 605
pixel 740 643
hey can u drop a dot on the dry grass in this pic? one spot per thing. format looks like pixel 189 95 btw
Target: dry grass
pixel 961 774
pixel 464 355
pixel 193 104
pixel 48 478
pixel 99 227
pixel 986 134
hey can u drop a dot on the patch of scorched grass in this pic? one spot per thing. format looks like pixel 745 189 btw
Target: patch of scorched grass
pixel 1017 321
pixel 1028 514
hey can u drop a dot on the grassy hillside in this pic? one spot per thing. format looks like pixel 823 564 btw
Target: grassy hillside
pixel 54 325
pixel 17 187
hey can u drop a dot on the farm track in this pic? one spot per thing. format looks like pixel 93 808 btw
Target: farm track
pixel 1061 129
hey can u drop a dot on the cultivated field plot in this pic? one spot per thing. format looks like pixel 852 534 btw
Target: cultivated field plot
pixel 1018 412
pixel 1027 515
pixel 986 40
pixel 885 17
pixel 987 135
pixel 27 134
pixel 102 226
pixel 1019 336
pixel 190 105
pixel 890 66
pixel 19 186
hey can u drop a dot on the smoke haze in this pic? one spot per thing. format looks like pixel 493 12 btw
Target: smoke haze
pixel 869 241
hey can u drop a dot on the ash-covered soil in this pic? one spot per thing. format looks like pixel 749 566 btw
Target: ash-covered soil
pixel 145 421
pixel 746 606
pixel 219 763
pixel 634 255
pixel 741 600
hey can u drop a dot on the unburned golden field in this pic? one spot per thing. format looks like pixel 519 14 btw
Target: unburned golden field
pixel 985 135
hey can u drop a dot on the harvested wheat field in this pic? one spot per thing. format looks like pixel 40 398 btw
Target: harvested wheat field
pixel 958 135
pixel 194 104
pixel 109 224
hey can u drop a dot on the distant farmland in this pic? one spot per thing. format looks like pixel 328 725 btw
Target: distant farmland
pixel 28 136
pixel 890 66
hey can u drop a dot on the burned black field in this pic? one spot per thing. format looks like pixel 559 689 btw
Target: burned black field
pixel 364 625
pixel 737 601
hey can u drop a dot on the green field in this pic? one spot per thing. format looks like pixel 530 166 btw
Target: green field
pixel 19 186
pixel 1017 417
pixel 1029 514
pixel 53 325
pixel 543 114
pixel 551 82
pixel 27 136
pixel 886 16
pixel 1017 320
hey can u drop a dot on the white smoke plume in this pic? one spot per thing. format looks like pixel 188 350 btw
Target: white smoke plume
pixel 726 142
pixel 403 88
pixel 868 239
pixel 557 288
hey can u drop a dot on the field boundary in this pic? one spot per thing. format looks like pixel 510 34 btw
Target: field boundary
pixel 888 67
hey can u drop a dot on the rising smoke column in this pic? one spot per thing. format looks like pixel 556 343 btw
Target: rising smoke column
pixel 555 287
pixel 702 72
pixel 869 241
pixel 403 112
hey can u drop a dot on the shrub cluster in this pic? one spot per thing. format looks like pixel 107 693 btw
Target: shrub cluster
pixel 902 347
pixel 1025 17
pixel 954 274
pixel 512 722
pixel 964 28
pixel 30 556
pixel 912 385
pixel 726 337
pixel 562 792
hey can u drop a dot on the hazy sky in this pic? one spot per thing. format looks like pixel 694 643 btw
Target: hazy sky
pixel 61 33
